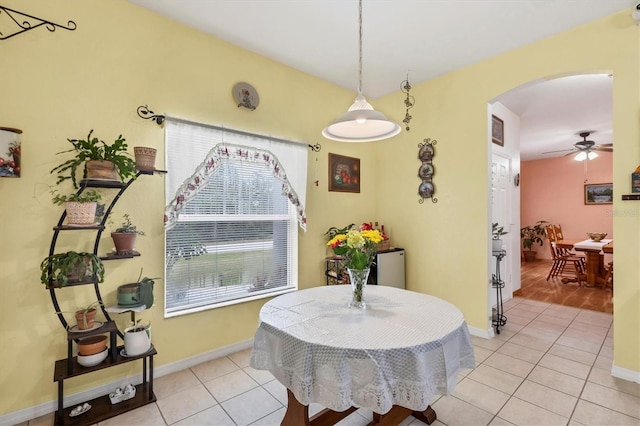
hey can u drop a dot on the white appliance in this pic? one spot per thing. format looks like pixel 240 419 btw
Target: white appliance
pixel 389 268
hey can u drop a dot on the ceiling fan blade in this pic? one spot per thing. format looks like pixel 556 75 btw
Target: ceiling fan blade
pixel 606 149
pixel 606 144
pixel 560 150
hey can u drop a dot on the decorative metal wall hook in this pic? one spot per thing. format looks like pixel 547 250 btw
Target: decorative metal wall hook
pixel 26 24
pixel 147 114
pixel 315 148
pixel 405 87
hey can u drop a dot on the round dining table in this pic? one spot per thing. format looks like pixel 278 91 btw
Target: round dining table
pixel 392 357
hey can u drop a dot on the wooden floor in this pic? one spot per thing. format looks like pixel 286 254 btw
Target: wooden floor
pixel 534 286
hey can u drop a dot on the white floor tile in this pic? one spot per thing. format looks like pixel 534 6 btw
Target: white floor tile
pixel 251 406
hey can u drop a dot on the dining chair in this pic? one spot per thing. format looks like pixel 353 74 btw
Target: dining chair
pixel 562 257
pixel 608 278
pixel 557 229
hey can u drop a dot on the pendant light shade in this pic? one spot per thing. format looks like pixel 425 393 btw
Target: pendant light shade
pixel 361 123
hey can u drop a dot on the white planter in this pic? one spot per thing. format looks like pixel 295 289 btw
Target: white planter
pixel 496 245
pixel 137 342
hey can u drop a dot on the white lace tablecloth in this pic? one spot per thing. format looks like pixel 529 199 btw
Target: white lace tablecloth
pixel 405 348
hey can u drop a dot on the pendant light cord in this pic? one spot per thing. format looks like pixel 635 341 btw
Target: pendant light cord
pixel 360 49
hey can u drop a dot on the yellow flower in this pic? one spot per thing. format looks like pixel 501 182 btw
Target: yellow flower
pixel 355 240
pixel 337 240
pixel 374 235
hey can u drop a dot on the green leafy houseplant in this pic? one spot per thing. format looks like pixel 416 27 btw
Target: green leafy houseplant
pixel 127 227
pixel 93 148
pixel 84 197
pixel 497 231
pixel 60 269
pixel 531 235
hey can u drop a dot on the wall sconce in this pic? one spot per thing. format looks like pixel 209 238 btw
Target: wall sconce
pixel 10 152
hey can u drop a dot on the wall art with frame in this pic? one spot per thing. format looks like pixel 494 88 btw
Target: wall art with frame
pixel 344 173
pixel 497 130
pixel 598 193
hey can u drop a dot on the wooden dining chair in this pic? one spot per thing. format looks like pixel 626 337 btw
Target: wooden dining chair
pixel 561 258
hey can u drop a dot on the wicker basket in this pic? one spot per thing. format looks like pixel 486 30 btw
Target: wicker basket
pixel 383 245
pixel 81 213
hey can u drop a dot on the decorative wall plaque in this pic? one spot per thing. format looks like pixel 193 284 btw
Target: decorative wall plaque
pixel 426 170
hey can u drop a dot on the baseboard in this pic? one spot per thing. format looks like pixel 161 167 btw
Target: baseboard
pixel 625 374
pixel 478 332
pixel 32 412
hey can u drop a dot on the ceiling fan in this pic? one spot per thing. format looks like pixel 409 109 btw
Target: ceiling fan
pixel 584 149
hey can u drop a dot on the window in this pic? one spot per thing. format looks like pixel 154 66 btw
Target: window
pixel 232 223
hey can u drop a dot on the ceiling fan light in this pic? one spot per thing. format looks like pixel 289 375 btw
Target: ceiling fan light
pixel 581 156
pixel 591 155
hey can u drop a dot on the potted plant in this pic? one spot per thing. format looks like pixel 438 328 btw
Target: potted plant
pixel 531 235
pixel 137 293
pixel 145 157
pixel 137 338
pixel 497 232
pixel 61 269
pixel 124 237
pixel 80 206
pixel 102 160
pixel 85 316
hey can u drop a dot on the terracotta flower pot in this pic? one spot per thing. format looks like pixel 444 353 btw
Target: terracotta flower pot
pixel 529 255
pixel 99 169
pixel 86 319
pixel 145 157
pixel 92 345
pixel 124 241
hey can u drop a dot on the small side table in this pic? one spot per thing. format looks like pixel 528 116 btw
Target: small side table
pixel 496 282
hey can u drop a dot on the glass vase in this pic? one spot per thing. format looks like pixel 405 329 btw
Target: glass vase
pixel 358 278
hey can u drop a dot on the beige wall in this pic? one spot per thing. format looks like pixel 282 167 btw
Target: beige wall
pixel 60 85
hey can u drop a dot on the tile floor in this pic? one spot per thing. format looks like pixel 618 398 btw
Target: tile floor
pixel 550 365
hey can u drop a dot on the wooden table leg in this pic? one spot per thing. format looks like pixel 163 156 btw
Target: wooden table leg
pixel 298 414
pixel 595 264
pixel 397 414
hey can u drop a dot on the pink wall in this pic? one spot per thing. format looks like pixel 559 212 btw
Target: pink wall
pixel 553 190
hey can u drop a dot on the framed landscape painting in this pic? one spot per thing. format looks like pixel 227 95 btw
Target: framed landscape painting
pixel 598 193
pixel 344 173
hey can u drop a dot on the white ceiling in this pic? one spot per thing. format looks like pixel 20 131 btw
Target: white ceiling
pixel 419 38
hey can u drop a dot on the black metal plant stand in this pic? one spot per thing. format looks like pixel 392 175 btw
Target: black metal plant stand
pixel 499 319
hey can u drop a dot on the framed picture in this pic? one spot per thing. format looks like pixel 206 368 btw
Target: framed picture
pixel 497 130
pixel 599 193
pixel 344 173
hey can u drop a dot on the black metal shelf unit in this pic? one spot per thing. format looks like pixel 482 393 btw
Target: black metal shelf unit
pixel 498 319
pixel 101 408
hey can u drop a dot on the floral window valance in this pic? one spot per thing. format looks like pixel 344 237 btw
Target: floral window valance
pixel 237 153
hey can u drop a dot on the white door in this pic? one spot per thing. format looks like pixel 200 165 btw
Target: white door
pixel 501 214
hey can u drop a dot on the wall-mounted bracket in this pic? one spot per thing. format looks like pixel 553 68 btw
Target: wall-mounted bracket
pixel 25 22
pixel 315 148
pixel 145 113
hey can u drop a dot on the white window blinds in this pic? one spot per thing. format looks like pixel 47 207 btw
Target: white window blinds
pixel 232 215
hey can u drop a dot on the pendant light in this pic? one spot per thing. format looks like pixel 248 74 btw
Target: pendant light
pixel 361 123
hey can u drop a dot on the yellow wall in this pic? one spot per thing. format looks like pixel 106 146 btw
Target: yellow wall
pixel 447 242
pixel 60 85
